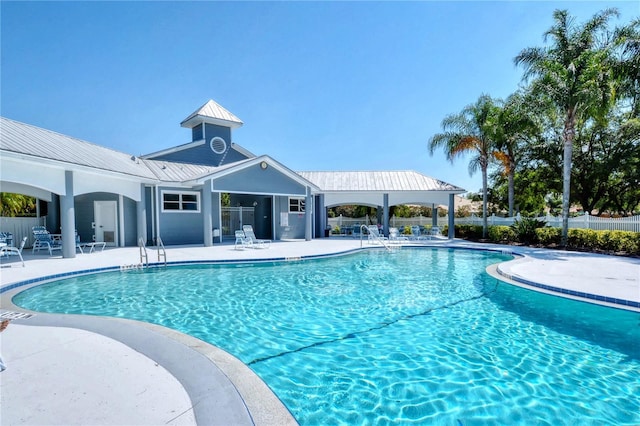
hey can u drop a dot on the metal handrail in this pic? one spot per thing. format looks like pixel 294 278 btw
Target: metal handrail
pixel 163 254
pixel 365 227
pixel 144 257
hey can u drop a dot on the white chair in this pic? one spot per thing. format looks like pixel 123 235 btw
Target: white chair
pixel 248 232
pixel 44 240
pixel 13 251
pixel 242 241
pixel 374 235
pixel 396 237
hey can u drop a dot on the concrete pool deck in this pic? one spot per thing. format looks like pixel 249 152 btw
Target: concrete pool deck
pixel 72 369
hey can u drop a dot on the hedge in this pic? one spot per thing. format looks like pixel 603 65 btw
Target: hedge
pixel 623 242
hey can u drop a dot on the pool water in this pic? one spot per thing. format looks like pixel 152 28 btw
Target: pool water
pixel 418 336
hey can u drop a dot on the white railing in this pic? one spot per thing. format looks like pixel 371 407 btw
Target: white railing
pixel 585 221
pixel 20 227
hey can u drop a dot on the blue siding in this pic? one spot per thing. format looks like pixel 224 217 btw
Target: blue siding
pixel 180 227
pixel 255 180
pixel 196 133
pixel 202 154
pixel 233 156
pixel 148 198
pixel 84 211
pixel 295 229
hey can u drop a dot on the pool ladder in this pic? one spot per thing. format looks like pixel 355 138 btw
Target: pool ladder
pixel 374 236
pixel 144 256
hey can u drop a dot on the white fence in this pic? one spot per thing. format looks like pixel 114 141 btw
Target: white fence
pixel 631 223
pixel 21 227
pixel 586 221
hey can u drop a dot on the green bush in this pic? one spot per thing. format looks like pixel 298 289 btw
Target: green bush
pixel 472 232
pixel 525 229
pixel 501 234
pixel 584 239
pixel 619 241
pixel 549 236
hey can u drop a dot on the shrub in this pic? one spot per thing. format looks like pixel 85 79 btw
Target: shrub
pixel 525 229
pixel 549 236
pixel 472 232
pixel 501 234
pixel 619 241
pixel 586 239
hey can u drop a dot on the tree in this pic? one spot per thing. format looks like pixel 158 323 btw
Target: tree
pixel 513 126
pixel 569 72
pixel 469 132
pixel 12 205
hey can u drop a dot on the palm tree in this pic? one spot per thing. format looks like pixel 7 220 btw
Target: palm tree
pixel 513 125
pixel 468 132
pixel 569 72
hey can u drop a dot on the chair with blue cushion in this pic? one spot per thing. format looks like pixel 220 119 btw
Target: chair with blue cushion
pixel 44 240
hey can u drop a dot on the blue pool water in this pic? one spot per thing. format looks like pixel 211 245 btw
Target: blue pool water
pixel 420 336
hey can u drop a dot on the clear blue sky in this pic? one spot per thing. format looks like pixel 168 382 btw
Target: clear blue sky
pixel 319 85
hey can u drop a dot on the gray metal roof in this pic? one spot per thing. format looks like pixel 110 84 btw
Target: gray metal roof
pixel 377 181
pixel 215 113
pixel 168 171
pixel 34 141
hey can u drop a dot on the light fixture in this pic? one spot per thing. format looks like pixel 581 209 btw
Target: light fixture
pixel 264 165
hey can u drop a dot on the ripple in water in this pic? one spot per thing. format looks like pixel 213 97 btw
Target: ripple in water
pixel 416 337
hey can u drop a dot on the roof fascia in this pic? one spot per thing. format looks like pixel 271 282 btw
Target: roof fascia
pixel 257 160
pixel 39 161
pixel 198 119
pixel 174 149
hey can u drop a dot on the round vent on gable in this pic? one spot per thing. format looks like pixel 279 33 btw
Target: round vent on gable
pixel 218 145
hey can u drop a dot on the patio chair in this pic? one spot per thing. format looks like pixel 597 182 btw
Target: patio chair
pixel 43 240
pixel 242 241
pixel 416 234
pixel 256 243
pixel 13 251
pixel 374 235
pixel 395 236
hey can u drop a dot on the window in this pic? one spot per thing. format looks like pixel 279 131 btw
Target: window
pixel 180 202
pixel 296 205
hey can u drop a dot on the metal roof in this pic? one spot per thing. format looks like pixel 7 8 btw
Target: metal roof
pixel 26 139
pixel 377 181
pixel 214 113
pixel 168 171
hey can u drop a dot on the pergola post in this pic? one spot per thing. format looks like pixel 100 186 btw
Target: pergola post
pixel 385 214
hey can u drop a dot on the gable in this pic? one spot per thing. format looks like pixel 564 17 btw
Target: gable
pixel 256 180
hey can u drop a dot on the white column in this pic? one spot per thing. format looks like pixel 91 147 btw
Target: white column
pixel 207 220
pixel 141 215
pixel 68 218
pixel 308 210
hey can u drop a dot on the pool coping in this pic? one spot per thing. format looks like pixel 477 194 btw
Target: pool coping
pixel 258 400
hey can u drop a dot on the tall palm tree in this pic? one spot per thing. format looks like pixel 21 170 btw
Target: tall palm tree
pixel 569 71
pixel 468 132
pixel 513 125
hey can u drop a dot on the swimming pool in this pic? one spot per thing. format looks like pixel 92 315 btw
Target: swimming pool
pixel 417 336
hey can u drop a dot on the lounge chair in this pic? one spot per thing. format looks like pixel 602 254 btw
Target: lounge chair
pixel 242 240
pixel 416 234
pixel 44 240
pixel 13 251
pixel 435 231
pixel 256 243
pixel 396 237
pixel 374 235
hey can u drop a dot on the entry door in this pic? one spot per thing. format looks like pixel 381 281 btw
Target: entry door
pixel 105 217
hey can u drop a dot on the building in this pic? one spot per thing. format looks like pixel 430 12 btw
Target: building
pixel 195 193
